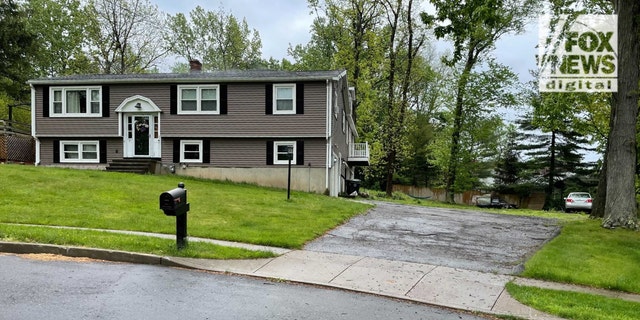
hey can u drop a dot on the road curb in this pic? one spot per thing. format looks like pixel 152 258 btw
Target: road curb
pixel 77 252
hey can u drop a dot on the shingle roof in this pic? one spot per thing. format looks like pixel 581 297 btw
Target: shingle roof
pixel 215 76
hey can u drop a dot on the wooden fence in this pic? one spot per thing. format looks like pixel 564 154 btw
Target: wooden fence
pixel 534 201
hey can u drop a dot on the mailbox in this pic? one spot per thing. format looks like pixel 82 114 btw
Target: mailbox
pixel 174 202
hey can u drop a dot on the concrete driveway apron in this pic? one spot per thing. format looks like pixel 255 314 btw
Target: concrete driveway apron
pixel 465 239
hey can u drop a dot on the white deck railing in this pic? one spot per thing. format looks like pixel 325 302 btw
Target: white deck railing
pixel 359 150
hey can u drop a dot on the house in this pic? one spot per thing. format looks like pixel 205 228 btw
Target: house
pixel 227 125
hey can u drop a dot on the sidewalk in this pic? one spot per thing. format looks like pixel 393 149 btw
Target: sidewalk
pixel 435 285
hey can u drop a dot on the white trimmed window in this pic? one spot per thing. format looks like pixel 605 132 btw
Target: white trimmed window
pixel 79 151
pixel 191 151
pixel 75 102
pixel 199 99
pixel 284 99
pixel 281 149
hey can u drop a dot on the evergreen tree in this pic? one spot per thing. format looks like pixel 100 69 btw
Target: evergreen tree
pixel 555 161
pixel 508 172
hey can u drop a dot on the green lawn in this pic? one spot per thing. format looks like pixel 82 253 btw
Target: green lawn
pixel 219 210
pixel 585 253
pixel 575 305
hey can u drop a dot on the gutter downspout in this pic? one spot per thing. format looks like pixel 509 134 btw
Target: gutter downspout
pixel 328 136
pixel 33 123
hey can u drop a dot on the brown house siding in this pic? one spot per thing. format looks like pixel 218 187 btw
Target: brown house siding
pixel 339 137
pixel 247 153
pixel 246 116
pixel 113 148
pixel 158 93
pixel 78 126
pixel 237 139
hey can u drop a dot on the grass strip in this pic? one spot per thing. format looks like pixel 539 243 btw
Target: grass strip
pixel 587 254
pixel 574 305
pixel 124 242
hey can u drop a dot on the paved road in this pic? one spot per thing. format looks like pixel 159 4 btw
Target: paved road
pixel 464 239
pixel 37 289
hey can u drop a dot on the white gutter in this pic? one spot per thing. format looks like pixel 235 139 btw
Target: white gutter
pixel 33 123
pixel 328 135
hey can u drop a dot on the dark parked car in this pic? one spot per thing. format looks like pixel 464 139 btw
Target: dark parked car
pixel 494 202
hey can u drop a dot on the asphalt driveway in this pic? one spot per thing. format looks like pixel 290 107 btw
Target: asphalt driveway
pixel 454 238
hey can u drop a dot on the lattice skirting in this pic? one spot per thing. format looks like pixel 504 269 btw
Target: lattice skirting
pixel 17 148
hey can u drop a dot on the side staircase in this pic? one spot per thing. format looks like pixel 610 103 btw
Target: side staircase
pixel 133 165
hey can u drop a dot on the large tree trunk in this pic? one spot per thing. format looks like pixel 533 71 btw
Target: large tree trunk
pixel 597 210
pixel 551 179
pixel 620 207
pixel 391 138
pixel 457 127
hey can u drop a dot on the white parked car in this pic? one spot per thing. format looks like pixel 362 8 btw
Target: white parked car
pixel 578 201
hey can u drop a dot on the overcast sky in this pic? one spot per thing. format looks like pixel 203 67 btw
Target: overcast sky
pixel 284 22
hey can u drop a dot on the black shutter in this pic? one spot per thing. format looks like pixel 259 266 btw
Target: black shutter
pixel 300 153
pixel 269 152
pixel 206 151
pixel 173 99
pixel 45 101
pixel 103 151
pixel 56 151
pixel 176 150
pixel 105 102
pixel 268 100
pixel 223 99
pixel 299 98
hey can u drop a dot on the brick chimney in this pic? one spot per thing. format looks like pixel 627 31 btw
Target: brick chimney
pixel 195 66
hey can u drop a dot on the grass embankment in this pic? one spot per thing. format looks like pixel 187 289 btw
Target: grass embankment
pixel 574 305
pixel 585 254
pixel 117 201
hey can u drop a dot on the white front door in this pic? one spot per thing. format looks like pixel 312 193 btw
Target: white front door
pixel 141 138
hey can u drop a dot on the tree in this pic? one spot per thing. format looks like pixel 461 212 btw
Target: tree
pixel 620 205
pixel 17 50
pixel 553 148
pixel 355 34
pixel 474 27
pixel 509 167
pixel 418 167
pixel 218 38
pixel 60 28
pixel 403 47
pixel 126 36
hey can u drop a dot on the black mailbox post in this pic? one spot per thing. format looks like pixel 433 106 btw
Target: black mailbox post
pixel 174 203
